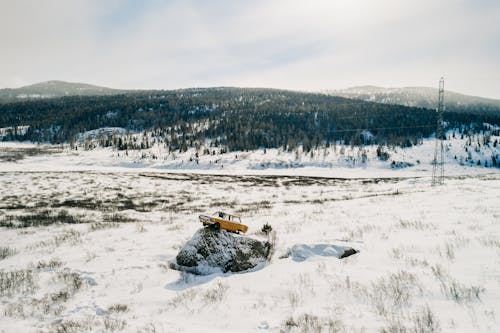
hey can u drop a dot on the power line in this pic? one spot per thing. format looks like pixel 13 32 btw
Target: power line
pixel 438 162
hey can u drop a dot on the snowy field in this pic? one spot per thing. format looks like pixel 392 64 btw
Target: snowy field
pixel 88 250
pixel 462 156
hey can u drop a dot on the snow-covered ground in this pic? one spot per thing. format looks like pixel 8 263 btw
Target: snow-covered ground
pixel 341 161
pixel 429 257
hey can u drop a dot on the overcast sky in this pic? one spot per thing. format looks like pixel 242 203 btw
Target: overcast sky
pixel 293 44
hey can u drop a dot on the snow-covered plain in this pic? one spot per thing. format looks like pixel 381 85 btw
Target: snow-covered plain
pixel 429 257
pixel 461 157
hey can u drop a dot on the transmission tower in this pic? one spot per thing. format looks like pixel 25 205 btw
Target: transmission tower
pixel 438 162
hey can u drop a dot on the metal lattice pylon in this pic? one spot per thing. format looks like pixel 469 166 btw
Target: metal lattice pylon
pixel 438 162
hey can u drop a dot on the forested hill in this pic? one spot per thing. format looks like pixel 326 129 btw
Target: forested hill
pixel 51 89
pixel 420 97
pixel 235 118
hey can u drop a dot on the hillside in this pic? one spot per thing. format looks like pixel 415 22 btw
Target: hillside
pixel 231 119
pixel 51 89
pixel 424 97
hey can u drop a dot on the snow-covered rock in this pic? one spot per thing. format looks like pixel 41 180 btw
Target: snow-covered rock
pixel 301 252
pixel 211 251
pixel 101 132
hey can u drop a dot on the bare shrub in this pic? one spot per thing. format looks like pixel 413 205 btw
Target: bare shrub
pixel 355 234
pixel 449 251
pixel 76 326
pixel 395 326
pixel 289 324
pixel 6 252
pixel 40 218
pixel 394 292
pixel 415 261
pixel 48 304
pixel 306 323
pixel 215 295
pixel 14 310
pixel 182 298
pixel 102 226
pixel 89 324
pixel 294 298
pixel 422 321
pixel 425 321
pixel 439 272
pixel 400 254
pixel 455 290
pixel 19 281
pixel 219 203
pixel 417 225
pixel 271 240
pixel 51 264
pixel 114 324
pixel 118 308
pixel 69 326
pixel 455 242
pixel 71 279
pixel 60 296
pixel 70 236
pixel 251 207
pixel 490 241
pixel 118 218
pixel 461 293
pixel 266 229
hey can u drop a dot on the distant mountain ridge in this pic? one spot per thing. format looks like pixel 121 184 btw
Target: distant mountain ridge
pixel 53 89
pixel 424 97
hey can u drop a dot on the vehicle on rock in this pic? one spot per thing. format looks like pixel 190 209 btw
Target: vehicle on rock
pixel 226 221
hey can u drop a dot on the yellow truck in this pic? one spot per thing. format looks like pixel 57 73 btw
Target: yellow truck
pixel 221 220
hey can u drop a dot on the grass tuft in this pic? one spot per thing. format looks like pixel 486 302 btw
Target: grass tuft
pixel 309 323
pixel 6 252
pixel 39 219
pixel 23 281
pixel 118 308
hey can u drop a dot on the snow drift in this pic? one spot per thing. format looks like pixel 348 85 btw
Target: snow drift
pixel 301 252
pixel 212 251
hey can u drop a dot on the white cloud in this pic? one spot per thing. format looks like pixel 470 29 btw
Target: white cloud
pixel 317 44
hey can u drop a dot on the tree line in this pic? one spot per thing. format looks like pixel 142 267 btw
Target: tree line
pixel 233 118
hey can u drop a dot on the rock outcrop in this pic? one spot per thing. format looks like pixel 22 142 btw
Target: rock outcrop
pixel 210 251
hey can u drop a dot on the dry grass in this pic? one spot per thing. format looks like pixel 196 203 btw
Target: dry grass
pixel 51 264
pixel 39 219
pixel 216 294
pixel 118 308
pixel 23 281
pixel 455 290
pixel 310 323
pixel 6 252
pixel 393 293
